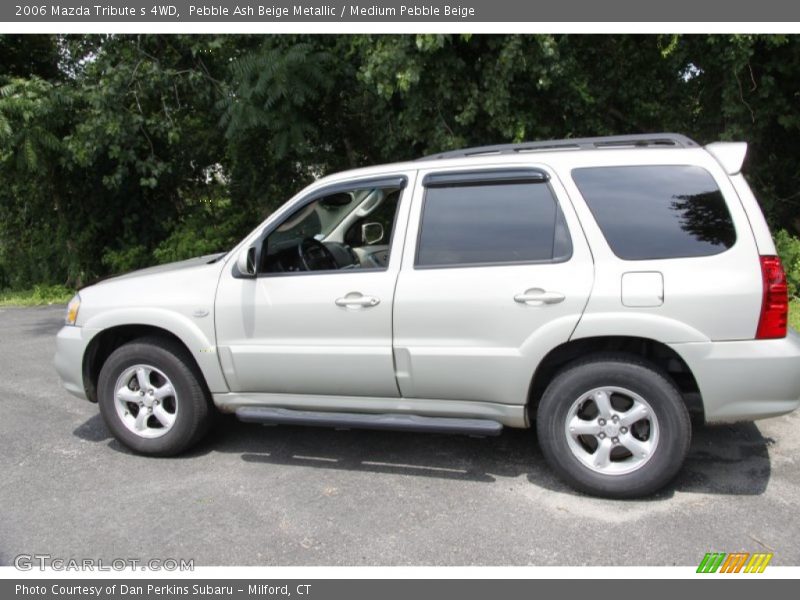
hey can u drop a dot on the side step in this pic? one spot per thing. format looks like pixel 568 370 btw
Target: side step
pixel 395 422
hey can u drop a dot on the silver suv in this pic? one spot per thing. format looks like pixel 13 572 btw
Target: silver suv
pixel 604 289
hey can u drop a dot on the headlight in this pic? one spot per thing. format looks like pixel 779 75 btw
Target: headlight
pixel 72 310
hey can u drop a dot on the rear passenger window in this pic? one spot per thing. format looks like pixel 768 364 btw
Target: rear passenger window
pixel 650 212
pixel 490 222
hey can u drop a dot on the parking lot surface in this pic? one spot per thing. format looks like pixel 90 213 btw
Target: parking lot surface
pixel 253 495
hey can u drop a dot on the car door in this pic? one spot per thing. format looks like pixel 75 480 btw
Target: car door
pixel 496 272
pixel 317 332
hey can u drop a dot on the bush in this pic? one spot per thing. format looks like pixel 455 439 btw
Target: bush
pixel 789 250
pixel 208 227
pixel 127 259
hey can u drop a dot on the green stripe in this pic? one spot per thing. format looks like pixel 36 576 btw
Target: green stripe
pixel 711 562
pixel 720 557
pixel 700 567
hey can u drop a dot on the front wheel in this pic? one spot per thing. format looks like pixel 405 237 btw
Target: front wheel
pixel 151 397
pixel 613 426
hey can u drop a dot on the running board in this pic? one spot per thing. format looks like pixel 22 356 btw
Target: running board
pixel 396 422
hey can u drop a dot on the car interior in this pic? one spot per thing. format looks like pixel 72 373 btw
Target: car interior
pixel 342 230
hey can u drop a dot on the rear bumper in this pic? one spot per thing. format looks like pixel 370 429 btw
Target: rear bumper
pixel 71 344
pixel 745 380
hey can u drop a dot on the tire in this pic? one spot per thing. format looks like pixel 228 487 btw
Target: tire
pixel 613 426
pixel 163 423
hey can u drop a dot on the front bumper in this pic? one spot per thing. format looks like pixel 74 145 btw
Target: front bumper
pixel 745 380
pixel 71 345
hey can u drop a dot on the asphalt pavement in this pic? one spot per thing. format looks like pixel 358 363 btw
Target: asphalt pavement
pixel 254 495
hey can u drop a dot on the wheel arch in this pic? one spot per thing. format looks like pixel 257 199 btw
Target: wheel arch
pixel 108 340
pixel 651 351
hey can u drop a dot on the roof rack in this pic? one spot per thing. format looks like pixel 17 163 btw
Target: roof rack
pixel 657 140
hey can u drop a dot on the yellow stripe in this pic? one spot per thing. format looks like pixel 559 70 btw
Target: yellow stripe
pixel 768 558
pixel 749 567
pixel 759 558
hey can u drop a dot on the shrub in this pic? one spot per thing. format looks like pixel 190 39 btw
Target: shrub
pixel 206 228
pixel 789 250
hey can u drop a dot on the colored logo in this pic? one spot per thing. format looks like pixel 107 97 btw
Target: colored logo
pixel 738 562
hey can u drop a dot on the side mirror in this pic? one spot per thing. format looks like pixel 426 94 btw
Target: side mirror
pixel 371 233
pixel 246 262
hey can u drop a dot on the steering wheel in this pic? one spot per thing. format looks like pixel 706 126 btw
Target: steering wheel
pixel 315 256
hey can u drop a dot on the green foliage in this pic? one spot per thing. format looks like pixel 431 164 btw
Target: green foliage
pixel 789 250
pixel 120 151
pixel 126 259
pixel 210 227
pixel 794 314
pixel 99 163
pixel 38 295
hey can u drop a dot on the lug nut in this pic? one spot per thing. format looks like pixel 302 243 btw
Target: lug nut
pixel 615 418
pixel 141 392
pixel 601 435
pixel 623 429
pixel 602 422
pixel 615 440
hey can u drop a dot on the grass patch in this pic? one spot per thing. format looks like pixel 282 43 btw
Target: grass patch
pixel 794 313
pixel 39 295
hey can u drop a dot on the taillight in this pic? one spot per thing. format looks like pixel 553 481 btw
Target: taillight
pixel 775 303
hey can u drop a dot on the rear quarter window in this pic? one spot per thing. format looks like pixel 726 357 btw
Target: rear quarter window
pixel 652 212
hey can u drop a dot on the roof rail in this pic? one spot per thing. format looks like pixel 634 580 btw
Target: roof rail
pixel 658 140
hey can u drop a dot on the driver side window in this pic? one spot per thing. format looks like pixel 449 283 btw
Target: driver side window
pixel 346 229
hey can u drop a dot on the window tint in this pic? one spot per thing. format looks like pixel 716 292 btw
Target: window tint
pixel 492 223
pixel 650 212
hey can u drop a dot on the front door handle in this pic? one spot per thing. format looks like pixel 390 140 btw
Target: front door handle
pixel 538 296
pixel 357 300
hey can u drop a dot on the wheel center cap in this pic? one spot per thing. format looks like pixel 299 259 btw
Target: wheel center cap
pixel 148 400
pixel 611 430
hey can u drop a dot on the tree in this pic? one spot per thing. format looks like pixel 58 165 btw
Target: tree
pixel 119 151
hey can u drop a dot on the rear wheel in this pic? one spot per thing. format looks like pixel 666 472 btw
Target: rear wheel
pixel 151 397
pixel 613 426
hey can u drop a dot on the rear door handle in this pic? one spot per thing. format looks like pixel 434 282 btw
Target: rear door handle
pixel 357 300
pixel 538 296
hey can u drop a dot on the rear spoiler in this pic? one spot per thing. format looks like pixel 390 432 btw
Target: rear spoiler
pixel 729 154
